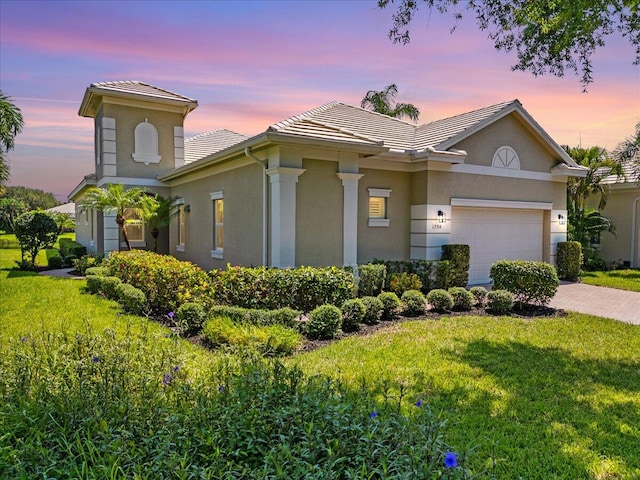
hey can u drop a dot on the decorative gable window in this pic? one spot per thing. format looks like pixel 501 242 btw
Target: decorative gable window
pixel 146 143
pixel 378 198
pixel 506 157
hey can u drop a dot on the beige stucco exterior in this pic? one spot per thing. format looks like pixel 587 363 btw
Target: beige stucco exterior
pixel 623 207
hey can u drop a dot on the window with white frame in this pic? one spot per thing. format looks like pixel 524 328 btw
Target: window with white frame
pixel 135 225
pixel 378 208
pixel 182 238
pixel 218 225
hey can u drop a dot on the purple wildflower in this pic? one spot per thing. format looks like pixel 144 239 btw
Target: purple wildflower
pixel 170 315
pixel 418 403
pixel 167 379
pixel 220 388
pixel 23 339
pixel 373 414
pixel 95 359
pixel 176 368
pixel 450 460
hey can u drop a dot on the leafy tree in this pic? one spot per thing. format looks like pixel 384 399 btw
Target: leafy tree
pixel 35 231
pixel 628 151
pixel 549 37
pixel 116 198
pixel 384 102
pixel 160 216
pixel 64 221
pixel 11 124
pixel 10 209
pixel 34 198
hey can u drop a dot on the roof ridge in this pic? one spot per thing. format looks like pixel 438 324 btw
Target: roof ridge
pixel 116 83
pixel 488 107
pixel 301 116
pixel 209 132
pixel 342 129
pixel 380 114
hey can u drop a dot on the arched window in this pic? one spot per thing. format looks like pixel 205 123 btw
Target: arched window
pixel 506 157
pixel 146 143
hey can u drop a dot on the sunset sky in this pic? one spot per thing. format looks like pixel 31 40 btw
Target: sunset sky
pixel 253 63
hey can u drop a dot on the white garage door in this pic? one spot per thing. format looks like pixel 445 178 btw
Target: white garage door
pixel 496 234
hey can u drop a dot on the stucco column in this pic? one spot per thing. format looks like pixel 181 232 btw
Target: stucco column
pixel 111 232
pixel 283 215
pixel 350 217
pixel 557 225
pixel 430 229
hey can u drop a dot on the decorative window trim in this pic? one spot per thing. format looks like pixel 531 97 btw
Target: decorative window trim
pixel 217 253
pixel 146 143
pixel 379 192
pixel 383 193
pixel 379 222
pixel 506 157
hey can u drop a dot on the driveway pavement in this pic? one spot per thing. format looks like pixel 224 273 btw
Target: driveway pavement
pixel 601 301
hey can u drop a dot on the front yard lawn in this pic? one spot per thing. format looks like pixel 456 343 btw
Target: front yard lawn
pixel 621 279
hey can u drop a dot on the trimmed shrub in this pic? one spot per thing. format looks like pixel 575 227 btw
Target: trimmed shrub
pixel 595 263
pixel 373 310
pixel 282 316
pixel 462 298
pixel 87 261
pixel 459 257
pixel 99 271
pixel 109 287
pixel 94 284
pixel 443 274
pixel 391 305
pixel 69 260
pixel 189 317
pixel 55 261
pixel 530 282
pixel 440 300
pixel 352 314
pixel 70 247
pixel 268 340
pixel 131 298
pixel 372 279
pixel 569 260
pixel 302 288
pixel 499 302
pixel 479 295
pixel 324 322
pixel 401 282
pixel 413 303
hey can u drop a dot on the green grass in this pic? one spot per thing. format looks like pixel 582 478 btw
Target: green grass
pixel 544 398
pixel 621 279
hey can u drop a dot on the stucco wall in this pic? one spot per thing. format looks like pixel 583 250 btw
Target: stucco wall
pixel 620 208
pixel 319 214
pixel 242 190
pixel 392 242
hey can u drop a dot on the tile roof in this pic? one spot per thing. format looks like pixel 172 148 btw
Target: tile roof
pixel 140 88
pixel 208 143
pixel 630 175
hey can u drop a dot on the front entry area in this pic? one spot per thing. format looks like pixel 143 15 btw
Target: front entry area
pixel 495 234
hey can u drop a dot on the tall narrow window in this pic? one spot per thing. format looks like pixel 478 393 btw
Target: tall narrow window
pixel 218 225
pixel 181 228
pixel 135 226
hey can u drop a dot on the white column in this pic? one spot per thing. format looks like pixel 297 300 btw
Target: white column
pixel 178 146
pixel 111 233
pixel 283 215
pixel 429 231
pixel 350 217
pixel 558 232
pixel 109 162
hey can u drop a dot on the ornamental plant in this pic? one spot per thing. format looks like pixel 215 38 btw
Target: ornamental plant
pixel 353 311
pixel 189 317
pixel 283 316
pixel 413 303
pixel 462 298
pixel 500 302
pixel 440 300
pixel 401 282
pixel 373 310
pixel 479 295
pixel 391 305
pixel 324 322
pixel 35 231
pixel 371 279
pixel 530 282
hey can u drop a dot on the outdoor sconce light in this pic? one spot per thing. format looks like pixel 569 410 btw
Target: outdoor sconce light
pixel 187 208
pixel 442 217
pixel 562 220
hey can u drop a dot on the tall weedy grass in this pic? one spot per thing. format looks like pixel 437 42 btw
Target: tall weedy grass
pixel 103 406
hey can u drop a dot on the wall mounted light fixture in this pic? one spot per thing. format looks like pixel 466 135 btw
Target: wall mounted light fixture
pixel 187 208
pixel 442 217
pixel 562 220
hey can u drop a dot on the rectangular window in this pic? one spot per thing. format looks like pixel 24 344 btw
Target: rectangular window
pixel 377 207
pixel 181 228
pixel 218 225
pixel 378 215
pixel 135 226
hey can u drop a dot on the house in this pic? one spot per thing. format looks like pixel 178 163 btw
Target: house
pixel 623 207
pixel 65 209
pixel 336 185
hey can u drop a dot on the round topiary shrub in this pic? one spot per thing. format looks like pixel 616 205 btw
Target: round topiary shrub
pixel 69 259
pixel 413 303
pixel 94 284
pixel 499 302
pixel 324 322
pixel 97 271
pixel 55 262
pixel 189 317
pixel 352 314
pixel 462 298
pixel 132 299
pixel 109 287
pixel 479 295
pixel 440 300
pixel 390 305
pixel 373 310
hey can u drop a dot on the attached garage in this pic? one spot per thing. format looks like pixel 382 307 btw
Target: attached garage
pixel 495 234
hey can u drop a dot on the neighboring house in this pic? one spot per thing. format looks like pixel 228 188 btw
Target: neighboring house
pixel 623 207
pixel 336 185
pixel 65 208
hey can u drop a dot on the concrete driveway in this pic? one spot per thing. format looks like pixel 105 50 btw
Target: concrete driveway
pixel 601 301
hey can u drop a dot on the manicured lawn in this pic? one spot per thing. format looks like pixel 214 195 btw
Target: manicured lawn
pixel 544 398
pixel 622 279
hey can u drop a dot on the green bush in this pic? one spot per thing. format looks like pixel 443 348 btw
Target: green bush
pixel 166 281
pixel 595 263
pixel 352 314
pixel 413 303
pixel 401 282
pixel 189 317
pixel 459 257
pixel 70 247
pixel 100 271
pixel 462 298
pixel 479 295
pixel 499 302
pixel 391 305
pixel 424 269
pixel 371 279
pixel 530 282
pixel 56 261
pixel 444 275
pixel 87 261
pixel 109 287
pixel 569 260
pixel 131 298
pixel 324 322
pixel 372 310
pixel 35 231
pixel 302 288
pixel 282 316
pixel 440 300
pixel 94 284
pixel 267 340
pixel 69 260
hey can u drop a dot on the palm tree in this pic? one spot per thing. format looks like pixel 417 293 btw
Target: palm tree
pixel 115 197
pixel 628 150
pixel 160 216
pixel 11 124
pixel 384 102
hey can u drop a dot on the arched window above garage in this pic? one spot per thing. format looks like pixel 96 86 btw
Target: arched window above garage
pixel 506 157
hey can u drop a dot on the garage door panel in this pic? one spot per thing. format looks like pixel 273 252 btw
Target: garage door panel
pixel 495 234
